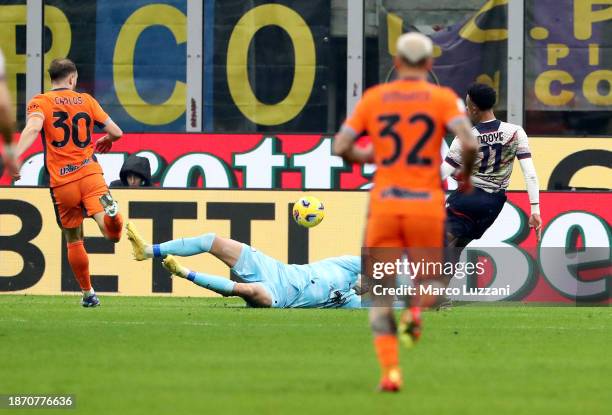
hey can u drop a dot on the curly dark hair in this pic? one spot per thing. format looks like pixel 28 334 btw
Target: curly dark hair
pixel 483 96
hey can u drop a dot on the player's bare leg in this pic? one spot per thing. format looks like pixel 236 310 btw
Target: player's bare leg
pixel 253 293
pixel 79 263
pixel 73 234
pixel 226 250
pixel 110 221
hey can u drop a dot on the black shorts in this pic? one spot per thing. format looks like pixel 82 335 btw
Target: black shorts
pixel 470 215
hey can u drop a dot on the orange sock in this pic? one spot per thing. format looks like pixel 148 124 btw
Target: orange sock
pixel 387 351
pixel 113 226
pixel 79 262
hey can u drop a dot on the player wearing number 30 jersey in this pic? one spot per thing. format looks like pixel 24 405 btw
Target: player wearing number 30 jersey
pixel 66 119
pixel 406 120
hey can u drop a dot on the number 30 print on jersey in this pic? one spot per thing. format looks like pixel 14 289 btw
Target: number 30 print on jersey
pixel 68 121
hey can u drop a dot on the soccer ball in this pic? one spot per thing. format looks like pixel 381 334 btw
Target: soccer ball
pixel 308 211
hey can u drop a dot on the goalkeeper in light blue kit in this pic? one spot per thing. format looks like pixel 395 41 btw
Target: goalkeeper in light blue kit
pixel 264 281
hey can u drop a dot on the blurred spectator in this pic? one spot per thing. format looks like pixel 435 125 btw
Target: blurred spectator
pixel 135 172
pixel 8 157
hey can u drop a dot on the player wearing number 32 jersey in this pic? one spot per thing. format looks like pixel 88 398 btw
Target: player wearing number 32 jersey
pixel 406 120
pixel 66 119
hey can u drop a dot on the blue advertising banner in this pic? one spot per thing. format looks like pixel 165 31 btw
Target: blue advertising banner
pixel 140 63
pixel 270 68
pixel 277 65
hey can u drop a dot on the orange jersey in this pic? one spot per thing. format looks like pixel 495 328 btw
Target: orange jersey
pixel 68 122
pixel 406 120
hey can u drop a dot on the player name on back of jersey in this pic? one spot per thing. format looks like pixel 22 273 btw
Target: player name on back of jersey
pixel 66 100
pixel 406 96
pixel 490 138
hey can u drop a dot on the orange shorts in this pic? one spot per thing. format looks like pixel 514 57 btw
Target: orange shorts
pixel 424 230
pixel 78 199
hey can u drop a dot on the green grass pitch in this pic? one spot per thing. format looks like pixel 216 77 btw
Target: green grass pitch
pixel 213 356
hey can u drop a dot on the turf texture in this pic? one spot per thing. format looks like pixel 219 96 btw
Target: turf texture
pixel 161 355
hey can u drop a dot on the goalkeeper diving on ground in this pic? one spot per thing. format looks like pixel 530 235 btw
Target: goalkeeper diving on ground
pixel 263 280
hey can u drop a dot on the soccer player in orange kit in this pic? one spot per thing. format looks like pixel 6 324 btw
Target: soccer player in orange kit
pixel 406 120
pixel 66 119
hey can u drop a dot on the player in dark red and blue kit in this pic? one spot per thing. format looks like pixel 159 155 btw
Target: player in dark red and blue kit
pixel 470 214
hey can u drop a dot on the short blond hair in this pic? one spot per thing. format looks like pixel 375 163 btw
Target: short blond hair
pixel 414 48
